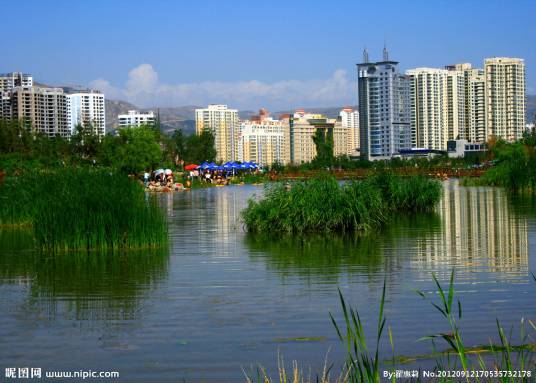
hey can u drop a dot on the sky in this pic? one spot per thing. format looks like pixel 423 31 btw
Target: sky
pixel 252 54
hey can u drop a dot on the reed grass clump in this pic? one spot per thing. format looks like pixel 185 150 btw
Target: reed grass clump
pixel 83 210
pixel 323 205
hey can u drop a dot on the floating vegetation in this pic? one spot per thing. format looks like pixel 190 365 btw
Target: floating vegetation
pixel 324 205
pixel 82 210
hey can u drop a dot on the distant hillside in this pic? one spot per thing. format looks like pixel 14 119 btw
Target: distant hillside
pixel 113 109
pixel 170 118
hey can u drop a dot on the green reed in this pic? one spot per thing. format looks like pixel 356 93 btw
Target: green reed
pixel 363 363
pixel 83 210
pixel 324 205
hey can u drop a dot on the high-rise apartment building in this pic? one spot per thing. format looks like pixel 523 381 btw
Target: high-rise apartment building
pixel 224 124
pixel 136 118
pixel 350 121
pixel 86 109
pixel 383 109
pixel 5 105
pixel 505 97
pixel 264 140
pixel 474 127
pixel 45 110
pixel 10 80
pixel 428 107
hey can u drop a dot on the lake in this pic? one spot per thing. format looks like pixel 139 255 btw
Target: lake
pixel 220 300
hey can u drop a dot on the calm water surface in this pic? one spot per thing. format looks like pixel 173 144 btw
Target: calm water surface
pixel 221 301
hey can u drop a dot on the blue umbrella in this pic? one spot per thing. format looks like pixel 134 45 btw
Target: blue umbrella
pixel 204 165
pixel 234 165
pixel 227 165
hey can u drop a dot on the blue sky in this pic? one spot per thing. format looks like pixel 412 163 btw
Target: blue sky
pixel 278 54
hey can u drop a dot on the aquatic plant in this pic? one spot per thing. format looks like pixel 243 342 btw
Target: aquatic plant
pixel 83 210
pixel 502 362
pixel 323 205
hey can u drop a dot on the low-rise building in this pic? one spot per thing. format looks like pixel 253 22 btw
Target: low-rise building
pixel 463 148
pixel 136 118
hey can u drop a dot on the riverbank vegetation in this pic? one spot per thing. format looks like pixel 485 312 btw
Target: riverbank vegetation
pixel 500 360
pixel 515 166
pixel 82 209
pixel 129 150
pixel 324 205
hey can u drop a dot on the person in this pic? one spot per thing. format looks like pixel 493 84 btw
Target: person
pixel 146 179
pixel 207 177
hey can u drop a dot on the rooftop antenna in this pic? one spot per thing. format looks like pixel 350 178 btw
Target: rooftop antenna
pixel 365 55
pixel 385 53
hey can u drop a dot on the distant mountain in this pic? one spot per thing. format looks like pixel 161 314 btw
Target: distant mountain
pixel 170 118
pixel 183 117
pixel 115 108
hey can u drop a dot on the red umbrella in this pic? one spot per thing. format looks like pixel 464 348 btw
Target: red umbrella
pixel 191 167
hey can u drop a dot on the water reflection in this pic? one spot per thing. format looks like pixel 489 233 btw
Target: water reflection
pixel 80 286
pixel 480 231
pixel 473 230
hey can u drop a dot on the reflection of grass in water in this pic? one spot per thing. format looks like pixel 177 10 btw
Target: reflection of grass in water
pixel 327 256
pixel 318 255
pixel 93 285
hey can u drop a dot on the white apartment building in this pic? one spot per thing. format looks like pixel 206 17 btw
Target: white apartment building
pixel 45 110
pixel 505 97
pixel 264 142
pixel 87 109
pixel 350 121
pixel 383 109
pixel 136 118
pixel 9 81
pixel 224 124
pixel 475 103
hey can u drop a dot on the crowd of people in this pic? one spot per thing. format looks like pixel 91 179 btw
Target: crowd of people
pixel 163 179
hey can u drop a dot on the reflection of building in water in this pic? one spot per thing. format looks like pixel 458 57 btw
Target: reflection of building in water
pixel 479 230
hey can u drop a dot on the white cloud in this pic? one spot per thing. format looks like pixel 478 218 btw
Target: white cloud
pixel 144 89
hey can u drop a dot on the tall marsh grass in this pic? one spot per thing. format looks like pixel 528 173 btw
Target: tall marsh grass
pixel 82 210
pixel 323 205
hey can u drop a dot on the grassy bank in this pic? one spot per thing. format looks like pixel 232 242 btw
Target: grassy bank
pixel 82 210
pixel 323 205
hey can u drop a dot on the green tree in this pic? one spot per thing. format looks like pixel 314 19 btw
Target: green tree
pixel 85 142
pixel 323 139
pixel 200 148
pixel 133 150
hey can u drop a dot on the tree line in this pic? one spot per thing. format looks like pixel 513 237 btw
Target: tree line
pixel 131 149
